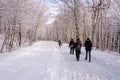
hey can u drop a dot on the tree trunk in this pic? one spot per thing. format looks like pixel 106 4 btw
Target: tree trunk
pixel 119 42
pixel 20 35
pixel 84 18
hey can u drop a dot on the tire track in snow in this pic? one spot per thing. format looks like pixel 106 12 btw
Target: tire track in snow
pixel 46 61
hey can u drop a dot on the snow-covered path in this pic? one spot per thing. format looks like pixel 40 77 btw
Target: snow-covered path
pixel 104 66
pixel 46 61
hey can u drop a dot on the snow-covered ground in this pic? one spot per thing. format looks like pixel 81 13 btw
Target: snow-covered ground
pixel 44 60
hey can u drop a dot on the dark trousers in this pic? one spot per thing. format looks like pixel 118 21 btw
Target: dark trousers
pixel 88 52
pixel 59 44
pixel 72 50
pixel 77 54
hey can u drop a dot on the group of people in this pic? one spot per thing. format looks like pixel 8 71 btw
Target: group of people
pixel 77 47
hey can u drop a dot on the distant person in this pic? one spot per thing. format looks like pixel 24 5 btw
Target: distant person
pixel 78 48
pixel 71 45
pixel 88 47
pixel 59 43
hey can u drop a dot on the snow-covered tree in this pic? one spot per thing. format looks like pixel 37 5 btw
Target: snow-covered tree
pixel 21 21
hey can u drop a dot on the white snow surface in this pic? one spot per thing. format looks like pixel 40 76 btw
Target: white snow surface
pixel 44 60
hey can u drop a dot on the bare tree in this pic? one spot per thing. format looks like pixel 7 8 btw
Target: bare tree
pixel 21 20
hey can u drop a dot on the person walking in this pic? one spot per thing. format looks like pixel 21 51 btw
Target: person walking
pixel 88 48
pixel 78 48
pixel 59 43
pixel 71 45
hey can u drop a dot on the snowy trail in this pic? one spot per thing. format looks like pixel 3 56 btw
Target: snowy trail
pixel 104 66
pixel 46 61
pixel 41 61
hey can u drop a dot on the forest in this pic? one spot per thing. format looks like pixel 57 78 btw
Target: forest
pixel 23 22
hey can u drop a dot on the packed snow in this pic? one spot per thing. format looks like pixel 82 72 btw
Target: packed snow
pixel 44 60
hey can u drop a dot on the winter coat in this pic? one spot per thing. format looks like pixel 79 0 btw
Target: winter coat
pixel 78 45
pixel 59 42
pixel 71 44
pixel 88 45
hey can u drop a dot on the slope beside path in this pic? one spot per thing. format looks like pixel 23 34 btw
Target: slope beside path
pixel 46 61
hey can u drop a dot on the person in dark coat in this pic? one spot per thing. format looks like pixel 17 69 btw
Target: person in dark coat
pixel 88 47
pixel 78 48
pixel 71 45
pixel 59 43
